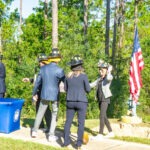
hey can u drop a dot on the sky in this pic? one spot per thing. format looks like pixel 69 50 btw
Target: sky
pixel 27 6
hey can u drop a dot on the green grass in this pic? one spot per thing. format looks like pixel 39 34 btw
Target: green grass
pixel 133 139
pixel 11 144
pixel 89 124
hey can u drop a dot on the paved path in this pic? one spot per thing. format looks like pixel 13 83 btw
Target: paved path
pixel 105 144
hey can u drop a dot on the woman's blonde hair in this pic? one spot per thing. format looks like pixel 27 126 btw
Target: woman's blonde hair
pixel 75 73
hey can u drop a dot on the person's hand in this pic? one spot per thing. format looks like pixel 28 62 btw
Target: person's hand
pixel 61 87
pixel 26 80
pixel 110 68
pixel 34 98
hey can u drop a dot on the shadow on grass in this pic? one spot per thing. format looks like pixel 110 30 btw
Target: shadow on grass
pixel 27 122
pixel 86 129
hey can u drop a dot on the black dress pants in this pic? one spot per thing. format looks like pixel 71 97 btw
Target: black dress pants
pixel 103 117
pixel 72 108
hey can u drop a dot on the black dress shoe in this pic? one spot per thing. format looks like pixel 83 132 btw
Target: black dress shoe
pixel 78 148
pixel 66 146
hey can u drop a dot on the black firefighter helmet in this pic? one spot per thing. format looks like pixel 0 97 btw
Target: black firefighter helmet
pixel 55 53
pixel 76 63
pixel 42 57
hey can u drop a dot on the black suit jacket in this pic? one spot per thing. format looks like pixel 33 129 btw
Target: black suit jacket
pixel 2 78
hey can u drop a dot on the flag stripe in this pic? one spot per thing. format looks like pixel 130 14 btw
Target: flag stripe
pixel 136 66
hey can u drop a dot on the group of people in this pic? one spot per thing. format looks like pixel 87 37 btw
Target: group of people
pixel 76 84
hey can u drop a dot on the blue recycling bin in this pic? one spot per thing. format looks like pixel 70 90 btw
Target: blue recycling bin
pixel 10 111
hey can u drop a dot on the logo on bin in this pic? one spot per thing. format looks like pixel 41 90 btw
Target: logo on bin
pixel 16 115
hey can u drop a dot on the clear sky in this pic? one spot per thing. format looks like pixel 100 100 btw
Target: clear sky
pixel 27 6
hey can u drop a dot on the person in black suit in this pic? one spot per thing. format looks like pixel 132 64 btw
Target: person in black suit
pixel 2 80
pixel 76 87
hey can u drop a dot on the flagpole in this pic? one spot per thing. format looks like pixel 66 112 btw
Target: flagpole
pixel 135 81
pixel 135 14
pixel 135 26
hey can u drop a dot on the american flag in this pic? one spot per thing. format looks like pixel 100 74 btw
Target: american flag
pixel 136 66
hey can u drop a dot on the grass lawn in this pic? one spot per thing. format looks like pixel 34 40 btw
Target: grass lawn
pixel 11 144
pixel 133 139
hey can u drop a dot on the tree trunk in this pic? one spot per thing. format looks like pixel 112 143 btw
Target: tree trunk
pixel 115 32
pixel 20 31
pixel 120 35
pixel 121 26
pixel 45 17
pixel 20 24
pixel 54 24
pixel 20 13
pixel 85 22
pixel 107 28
